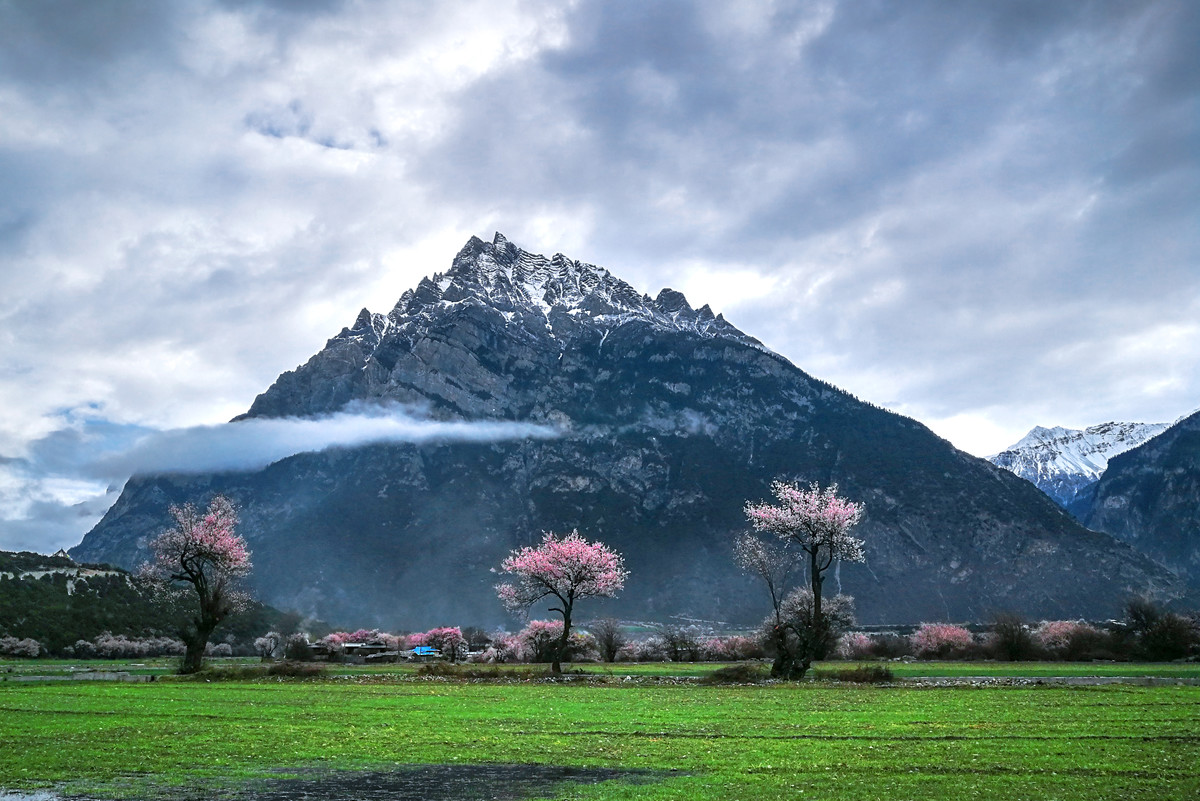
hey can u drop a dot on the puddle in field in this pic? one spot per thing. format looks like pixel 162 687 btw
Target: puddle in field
pixel 410 783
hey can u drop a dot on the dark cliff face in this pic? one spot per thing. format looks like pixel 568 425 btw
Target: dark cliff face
pixel 670 419
pixel 1150 498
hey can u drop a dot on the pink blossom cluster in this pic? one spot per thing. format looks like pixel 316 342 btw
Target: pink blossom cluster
pixel 338 638
pixel 568 569
pixel 1056 635
pixel 854 645
pixel 734 648
pixel 941 639
pixel 202 543
pixel 539 638
pixel 537 642
pixel 447 639
pixel 812 518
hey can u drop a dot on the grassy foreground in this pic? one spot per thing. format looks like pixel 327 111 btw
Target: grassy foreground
pixel 163 666
pixel 761 742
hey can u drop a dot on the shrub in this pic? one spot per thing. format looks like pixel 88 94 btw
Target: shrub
pixel 109 646
pixel 647 649
pixel 539 639
pixel 1072 640
pixel 295 649
pixel 854 645
pixel 866 674
pixel 1158 635
pixel 220 649
pixel 269 645
pixel 25 648
pixel 942 641
pixel 891 646
pixel 299 670
pixel 609 638
pixel 681 643
pixel 1169 637
pixel 1011 639
pixel 744 673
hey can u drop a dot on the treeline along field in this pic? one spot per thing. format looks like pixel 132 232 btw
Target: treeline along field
pixel 762 742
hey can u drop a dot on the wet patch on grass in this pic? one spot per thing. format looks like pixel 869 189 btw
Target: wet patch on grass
pixel 493 782
pixel 498 782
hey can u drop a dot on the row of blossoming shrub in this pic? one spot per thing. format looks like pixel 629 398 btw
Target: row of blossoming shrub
pixel 24 647
pixel 535 642
pixel 1157 636
pixel 1168 636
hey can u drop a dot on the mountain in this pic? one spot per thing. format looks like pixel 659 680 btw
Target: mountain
pixel 1150 498
pixel 666 420
pixel 1064 462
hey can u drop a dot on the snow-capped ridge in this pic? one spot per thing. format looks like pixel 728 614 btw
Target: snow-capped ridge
pixel 1063 461
pixel 518 283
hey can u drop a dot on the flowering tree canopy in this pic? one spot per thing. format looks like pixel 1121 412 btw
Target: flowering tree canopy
pixel 817 520
pixel 813 522
pixel 562 570
pixel 202 549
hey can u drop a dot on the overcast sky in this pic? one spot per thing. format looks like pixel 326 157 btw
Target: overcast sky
pixel 983 215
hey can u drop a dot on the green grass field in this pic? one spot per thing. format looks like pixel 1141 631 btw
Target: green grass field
pixel 779 741
pixel 166 666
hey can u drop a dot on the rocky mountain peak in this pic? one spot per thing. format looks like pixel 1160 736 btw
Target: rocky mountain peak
pixel 1063 462
pixel 502 276
pixel 486 337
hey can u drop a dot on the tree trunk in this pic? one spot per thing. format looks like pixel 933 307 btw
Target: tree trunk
pixel 782 666
pixel 560 652
pixel 195 637
pixel 799 668
pixel 196 641
pixel 818 641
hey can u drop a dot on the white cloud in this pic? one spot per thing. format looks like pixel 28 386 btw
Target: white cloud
pixel 68 478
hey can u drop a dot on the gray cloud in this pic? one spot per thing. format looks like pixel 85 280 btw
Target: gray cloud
pixel 981 214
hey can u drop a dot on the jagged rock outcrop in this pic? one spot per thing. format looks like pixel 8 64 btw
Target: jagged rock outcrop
pixel 1150 498
pixel 669 418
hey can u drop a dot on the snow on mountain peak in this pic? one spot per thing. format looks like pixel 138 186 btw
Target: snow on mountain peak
pixel 505 277
pixel 1063 461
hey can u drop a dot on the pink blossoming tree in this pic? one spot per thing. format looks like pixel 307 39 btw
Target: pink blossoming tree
pixel 203 550
pixel 447 639
pixel 811 530
pixel 561 570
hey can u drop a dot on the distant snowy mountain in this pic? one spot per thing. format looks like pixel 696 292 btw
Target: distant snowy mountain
pixel 1063 462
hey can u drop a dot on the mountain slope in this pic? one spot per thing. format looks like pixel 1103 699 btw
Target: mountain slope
pixel 1150 498
pixel 669 419
pixel 1064 462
